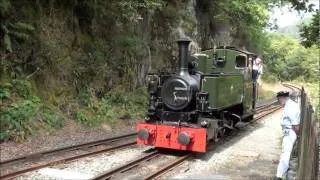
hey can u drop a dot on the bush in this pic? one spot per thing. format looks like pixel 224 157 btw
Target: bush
pixel 22 87
pixel 269 78
pixel 18 120
pixel 52 118
pixel 84 97
pixel 96 115
pixel 265 94
pixel 5 91
pixel 114 106
pixel 22 113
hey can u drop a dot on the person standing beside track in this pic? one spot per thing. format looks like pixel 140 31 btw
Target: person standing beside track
pixel 290 121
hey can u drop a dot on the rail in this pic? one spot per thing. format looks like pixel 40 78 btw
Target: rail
pixel 262 112
pixel 65 149
pixel 266 110
pixel 111 144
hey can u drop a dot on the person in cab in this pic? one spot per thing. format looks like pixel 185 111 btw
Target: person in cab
pixel 257 69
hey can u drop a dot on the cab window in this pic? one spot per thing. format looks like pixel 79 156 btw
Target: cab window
pixel 241 61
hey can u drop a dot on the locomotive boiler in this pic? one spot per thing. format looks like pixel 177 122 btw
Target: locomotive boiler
pixel 210 93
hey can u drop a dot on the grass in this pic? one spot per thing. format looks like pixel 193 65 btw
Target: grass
pixel 24 114
pixel 117 105
pixel 312 89
pixel 265 94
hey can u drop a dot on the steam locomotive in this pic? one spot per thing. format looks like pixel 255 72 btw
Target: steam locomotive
pixel 211 92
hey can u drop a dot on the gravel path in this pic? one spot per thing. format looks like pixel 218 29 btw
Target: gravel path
pixel 247 156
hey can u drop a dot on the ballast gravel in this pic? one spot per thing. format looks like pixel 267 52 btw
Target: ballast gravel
pixel 89 167
pixel 249 155
pixel 70 134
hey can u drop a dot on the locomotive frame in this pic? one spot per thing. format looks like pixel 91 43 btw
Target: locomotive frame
pixel 211 92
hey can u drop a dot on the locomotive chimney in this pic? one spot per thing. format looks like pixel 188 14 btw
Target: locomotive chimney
pixel 183 45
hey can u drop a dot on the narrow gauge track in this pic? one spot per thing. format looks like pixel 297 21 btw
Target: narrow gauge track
pixel 263 104
pixel 143 159
pixel 111 143
pixel 127 166
pixel 174 163
pixel 292 87
pixel 263 107
pixel 264 110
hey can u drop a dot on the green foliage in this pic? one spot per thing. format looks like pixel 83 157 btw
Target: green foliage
pixel 22 87
pixel 288 60
pixel 22 113
pixel 96 114
pixel 310 32
pixel 51 118
pixel 11 29
pixel 14 31
pixel 17 120
pixel 299 5
pixel 246 20
pixel 85 97
pixel 269 78
pixel 265 94
pixel 132 45
pixel 113 107
pixel 189 21
pixel 5 8
pixel 5 91
pixel 129 10
pixel 312 90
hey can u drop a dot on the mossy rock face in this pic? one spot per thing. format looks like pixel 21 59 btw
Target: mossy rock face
pixel 94 45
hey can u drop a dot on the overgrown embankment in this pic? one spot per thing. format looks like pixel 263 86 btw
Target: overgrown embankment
pixel 81 60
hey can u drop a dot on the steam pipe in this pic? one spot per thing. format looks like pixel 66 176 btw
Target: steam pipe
pixel 183 45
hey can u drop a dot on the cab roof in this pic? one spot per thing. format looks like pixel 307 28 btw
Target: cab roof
pixel 235 49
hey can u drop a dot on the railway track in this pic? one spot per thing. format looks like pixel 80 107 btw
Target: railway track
pixel 263 104
pixel 262 111
pixel 176 161
pixel 292 87
pixel 266 108
pixel 110 144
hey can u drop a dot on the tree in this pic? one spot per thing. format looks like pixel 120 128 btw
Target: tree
pixel 310 32
pixel 287 59
pixel 242 20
